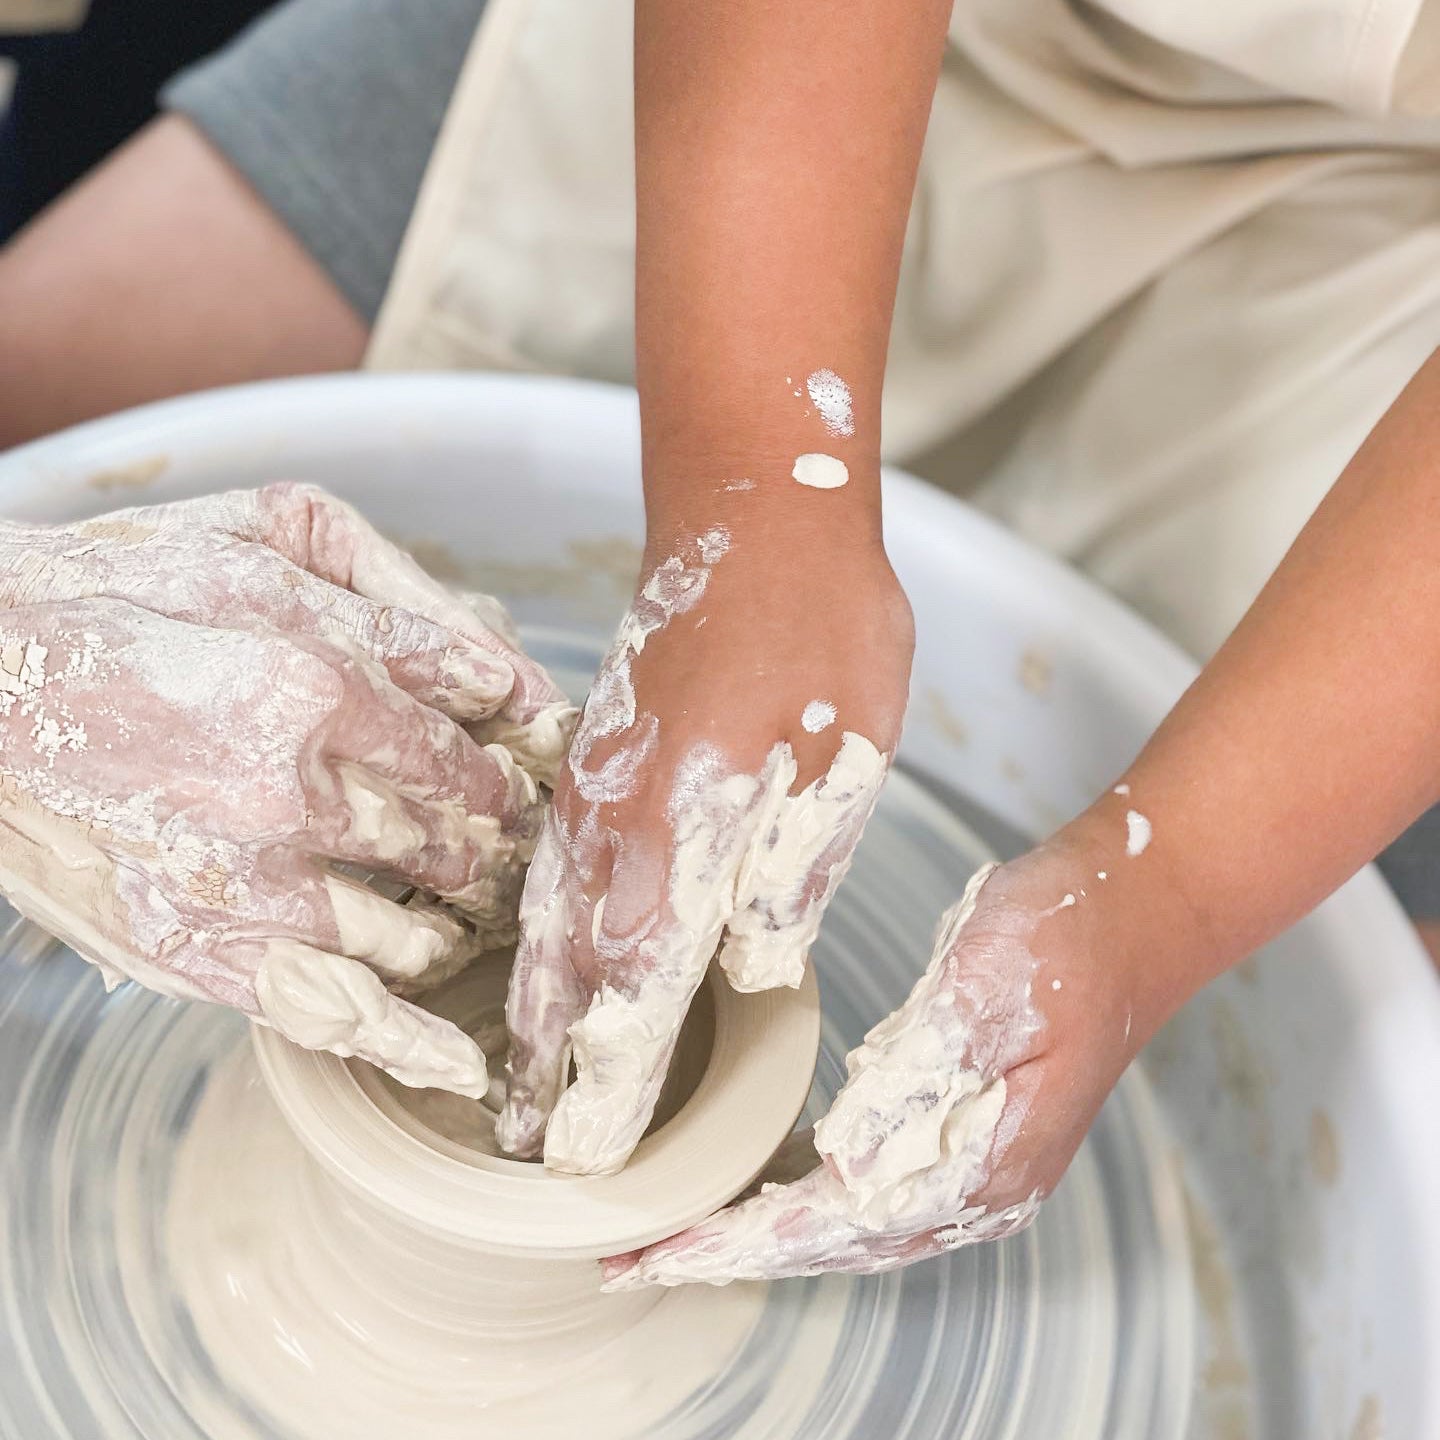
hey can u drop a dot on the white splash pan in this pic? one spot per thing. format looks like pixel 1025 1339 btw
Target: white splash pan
pixel 1300 1089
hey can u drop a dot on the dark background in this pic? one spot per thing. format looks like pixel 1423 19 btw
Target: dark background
pixel 79 94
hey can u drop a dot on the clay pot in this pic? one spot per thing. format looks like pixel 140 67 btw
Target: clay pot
pixel 441 1224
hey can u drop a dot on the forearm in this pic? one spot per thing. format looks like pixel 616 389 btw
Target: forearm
pixel 776 156
pixel 1309 741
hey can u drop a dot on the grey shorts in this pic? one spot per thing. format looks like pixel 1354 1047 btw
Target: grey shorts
pixel 330 109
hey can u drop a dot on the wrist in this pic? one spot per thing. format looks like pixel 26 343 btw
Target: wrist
pixel 768 565
pixel 754 496
pixel 1112 911
pixel 726 446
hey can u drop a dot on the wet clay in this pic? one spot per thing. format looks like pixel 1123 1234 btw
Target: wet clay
pixel 359 1259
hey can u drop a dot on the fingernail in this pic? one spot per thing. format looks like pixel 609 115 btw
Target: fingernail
pixel 480 682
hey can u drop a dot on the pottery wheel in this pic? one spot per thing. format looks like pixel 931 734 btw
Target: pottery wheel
pixel 1081 1327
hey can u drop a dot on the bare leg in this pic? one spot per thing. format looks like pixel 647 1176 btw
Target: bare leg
pixel 160 273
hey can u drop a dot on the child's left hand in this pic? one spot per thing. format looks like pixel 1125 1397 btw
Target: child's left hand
pixel 728 757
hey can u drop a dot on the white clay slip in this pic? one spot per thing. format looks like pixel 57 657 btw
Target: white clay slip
pixel 818 715
pixel 820 472
pixel 830 396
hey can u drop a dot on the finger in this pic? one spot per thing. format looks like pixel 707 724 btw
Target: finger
pixel 473 945
pixel 416 944
pixel 649 960
pixel 492 613
pixel 412 793
pixel 255 585
pixel 786 1230
pixel 807 1228
pixel 333 540
pixel 463 857
pixel 463 658
pixel 546 995
pixel 437 665
pixel 662 920
pixel 799 855
pixel 324 1001
pixel 421 752
pixel 538 744
pixel 466 672
pixel 914 1128
pixel 622 1047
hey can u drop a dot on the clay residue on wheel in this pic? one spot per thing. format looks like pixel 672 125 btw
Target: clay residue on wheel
pixel 1324 1149
pixel 1225 1396
pixel 594 576
pixel 135 476
pixel 1036 672
pixel 1370 1421
pixel 1243 1075
pixel 943 717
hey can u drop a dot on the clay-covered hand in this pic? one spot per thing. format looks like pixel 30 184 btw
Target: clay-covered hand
pixel 215 713
pixel 726 761
pixel 960 1112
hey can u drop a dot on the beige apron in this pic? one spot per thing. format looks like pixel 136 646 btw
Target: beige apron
pixel 1166 266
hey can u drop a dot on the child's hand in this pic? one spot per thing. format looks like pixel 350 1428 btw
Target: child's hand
pixel 963 1109
pixel 727 759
